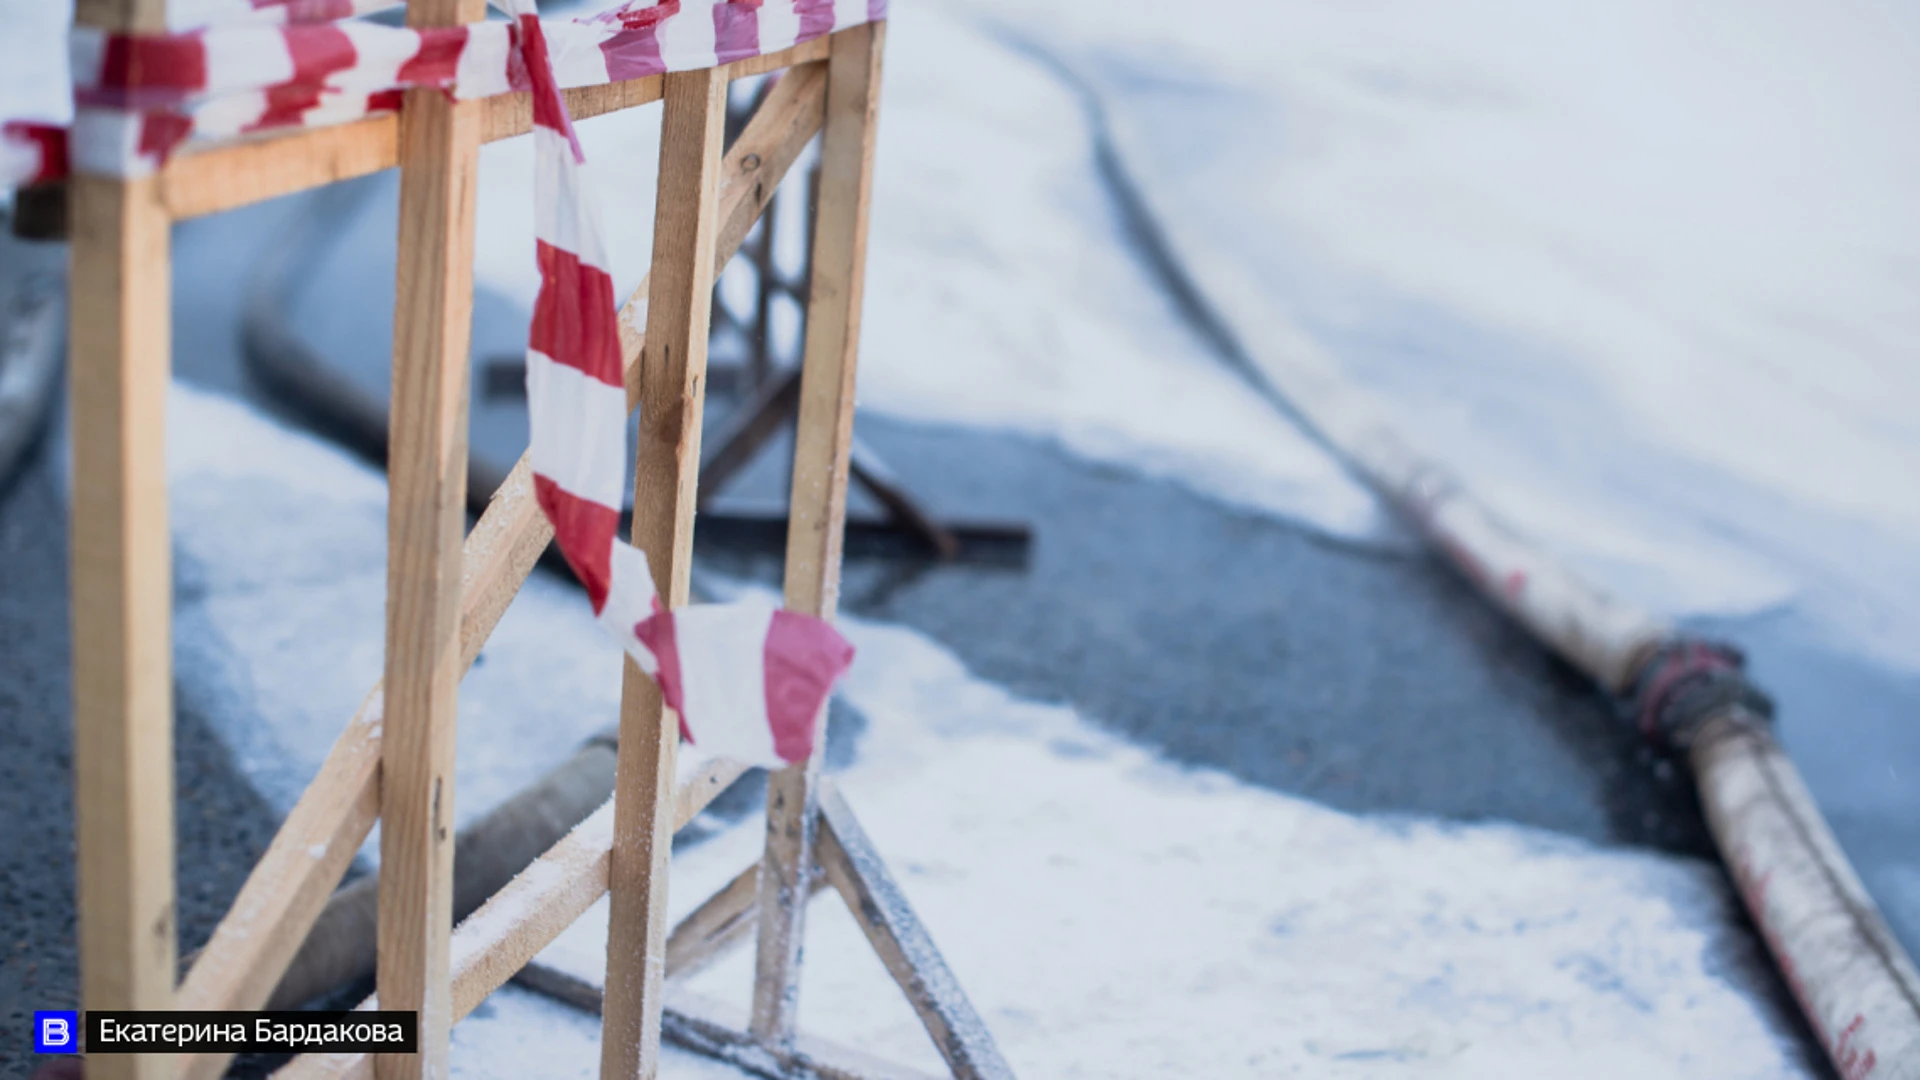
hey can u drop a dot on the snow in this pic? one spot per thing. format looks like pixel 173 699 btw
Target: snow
pixel 33 61
pixel 1111 915
pixel 280 612
pixel 1660 322
pixel 1644 272
pixel 999 292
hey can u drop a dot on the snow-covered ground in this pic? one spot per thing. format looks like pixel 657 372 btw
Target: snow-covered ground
pixel 1646 273
pixel 999 289
pixel 1263 935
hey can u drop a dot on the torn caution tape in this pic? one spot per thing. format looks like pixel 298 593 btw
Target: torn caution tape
pixel 234 67
pixel 748 681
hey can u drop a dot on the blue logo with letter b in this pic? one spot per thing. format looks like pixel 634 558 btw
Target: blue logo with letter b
pixel 56 1032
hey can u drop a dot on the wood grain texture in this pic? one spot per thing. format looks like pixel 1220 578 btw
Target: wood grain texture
pixel 222 176
pixel 510 929
pixel 708 931
pixel 716 1030
pixel 140 16
pixel 818 506
pixel 858 873
pixel 208 178
pixel 426 501
pixel 667 468
pixel 289 886
pixel 509 115
pixel 122 603
pixel 721 923
pixel 250 949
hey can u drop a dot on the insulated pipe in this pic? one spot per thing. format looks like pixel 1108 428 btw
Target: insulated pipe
pixel 1858 988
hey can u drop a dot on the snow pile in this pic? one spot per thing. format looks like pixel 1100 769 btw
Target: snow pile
pixel 1112 916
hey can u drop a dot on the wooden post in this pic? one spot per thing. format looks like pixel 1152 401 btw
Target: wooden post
pixel 122 599
pixel 819 500
pixel 427 487
pixel 673 371
pixel 121 568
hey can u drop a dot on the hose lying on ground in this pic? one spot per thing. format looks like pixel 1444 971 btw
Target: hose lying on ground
pixel 1858 988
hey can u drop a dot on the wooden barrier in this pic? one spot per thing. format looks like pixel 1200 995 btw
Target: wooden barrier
pixel 393 762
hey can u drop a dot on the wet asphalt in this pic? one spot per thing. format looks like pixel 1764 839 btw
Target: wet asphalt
pixel 1366 679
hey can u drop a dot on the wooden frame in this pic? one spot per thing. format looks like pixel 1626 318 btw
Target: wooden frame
pixel 393 762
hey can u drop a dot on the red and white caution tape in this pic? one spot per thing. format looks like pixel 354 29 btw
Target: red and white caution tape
pixel 748 681
pixel 233 67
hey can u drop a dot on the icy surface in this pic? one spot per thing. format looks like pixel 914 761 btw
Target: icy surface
pixel 1112 916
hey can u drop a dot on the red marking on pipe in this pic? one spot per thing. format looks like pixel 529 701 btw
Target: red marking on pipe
pixel 1853 1064
pixel 1516 584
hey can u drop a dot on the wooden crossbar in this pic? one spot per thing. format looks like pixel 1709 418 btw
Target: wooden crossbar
pixel 227 175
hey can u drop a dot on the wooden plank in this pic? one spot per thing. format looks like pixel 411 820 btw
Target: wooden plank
pixel 818 507
pixel 251 947
pixel 509 115
pixel 210 178
pixel 805 52
pixel 122 603
pixel 725 920
pixel 708 931
pixel 881 909
pixel 288 888
pixel 139 16
pixel 673 371
pixel 714 1028
pixel 426 504
pixel 207 179
pixel 511 928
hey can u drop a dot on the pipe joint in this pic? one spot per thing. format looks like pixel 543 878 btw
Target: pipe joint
pixel 1688 682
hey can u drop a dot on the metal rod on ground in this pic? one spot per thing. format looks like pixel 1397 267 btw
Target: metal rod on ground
pixel 1857 987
